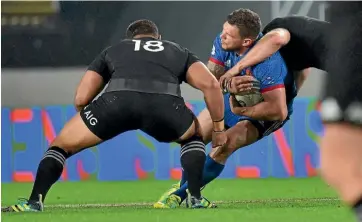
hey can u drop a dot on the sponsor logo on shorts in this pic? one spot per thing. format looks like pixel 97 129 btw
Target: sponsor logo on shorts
pixel 91 119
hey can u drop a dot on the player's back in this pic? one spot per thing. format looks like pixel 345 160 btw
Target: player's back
pixel 307 46
pixel 148 59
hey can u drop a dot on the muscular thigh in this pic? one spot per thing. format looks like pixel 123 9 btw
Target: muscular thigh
pixel 242 134
pixel 75 136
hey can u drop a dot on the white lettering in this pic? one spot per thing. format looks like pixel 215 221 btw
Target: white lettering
pixel 89 116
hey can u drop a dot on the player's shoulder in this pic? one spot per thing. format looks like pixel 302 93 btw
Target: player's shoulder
pixel 177 48
pixel 173 45
pixel 119 44
pixel 274 62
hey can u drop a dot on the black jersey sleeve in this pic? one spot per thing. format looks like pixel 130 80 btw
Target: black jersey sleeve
pixel 191 59
pixel 100 66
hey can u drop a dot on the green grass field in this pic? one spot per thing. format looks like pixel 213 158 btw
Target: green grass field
pixel 253 200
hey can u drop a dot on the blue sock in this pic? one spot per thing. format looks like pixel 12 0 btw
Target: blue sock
pixel 183 178
pixel 212 170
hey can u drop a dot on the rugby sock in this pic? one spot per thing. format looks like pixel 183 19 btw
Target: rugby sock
pixel 192 161
pixel 49 170
pixel 212 170
pixel 357 208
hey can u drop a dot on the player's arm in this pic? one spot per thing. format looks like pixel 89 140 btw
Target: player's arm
pixel 199 77
pixel 266 46
pixel 216 69
pixel 93 82
pixel 300 77
pixel 217 59
pixel 274 106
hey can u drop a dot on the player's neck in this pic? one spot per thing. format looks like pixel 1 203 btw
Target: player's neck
pixel 144 36
pixel 241 51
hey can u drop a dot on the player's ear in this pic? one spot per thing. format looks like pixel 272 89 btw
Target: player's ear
pixel 159 37
pixel 247 42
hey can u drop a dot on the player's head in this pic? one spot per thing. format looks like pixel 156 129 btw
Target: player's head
pixel 240 30
pixel 141 28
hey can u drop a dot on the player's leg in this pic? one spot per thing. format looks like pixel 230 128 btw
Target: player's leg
pixel 175 122
pixel 192 160
pixel 243 133
pixel 341 151
pixel 240 135
pixel 73 137
pixel 206 126
pixel 211 168
pixel 87 128
pixel 341 158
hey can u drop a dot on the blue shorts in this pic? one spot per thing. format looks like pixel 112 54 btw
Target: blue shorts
pixel 264 127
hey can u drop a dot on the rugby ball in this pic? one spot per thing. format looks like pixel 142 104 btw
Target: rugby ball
pixel 249 99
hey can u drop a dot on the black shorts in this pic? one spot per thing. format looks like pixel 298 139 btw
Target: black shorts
pixel 342 101
pixel 164 117
pixel 265 128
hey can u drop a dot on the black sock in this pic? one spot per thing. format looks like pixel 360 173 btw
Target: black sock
pixel 192 161
pixel 49 170
pixel 357 208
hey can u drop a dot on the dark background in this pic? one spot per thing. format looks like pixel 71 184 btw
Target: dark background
pixel 72 33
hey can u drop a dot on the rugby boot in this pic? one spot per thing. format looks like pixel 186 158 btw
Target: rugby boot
pixel 162 200
pixel 171 202
pixel 193 202
pixel 25 205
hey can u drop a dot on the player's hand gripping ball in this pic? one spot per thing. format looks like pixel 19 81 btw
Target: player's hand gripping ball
pixel 251 96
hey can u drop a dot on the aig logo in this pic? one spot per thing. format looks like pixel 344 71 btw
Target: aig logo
pixel 89 116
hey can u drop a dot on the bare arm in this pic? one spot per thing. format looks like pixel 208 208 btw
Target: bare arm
pixel 92 82
pixel 216 69
pixel 273 107
pixel 200 77
pixel 89 87
pixel 266 46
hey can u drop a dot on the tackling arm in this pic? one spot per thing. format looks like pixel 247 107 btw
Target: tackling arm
pixel 264 48
pixel 199 77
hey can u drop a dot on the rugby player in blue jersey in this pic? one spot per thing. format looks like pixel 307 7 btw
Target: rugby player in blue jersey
pixel 240 32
